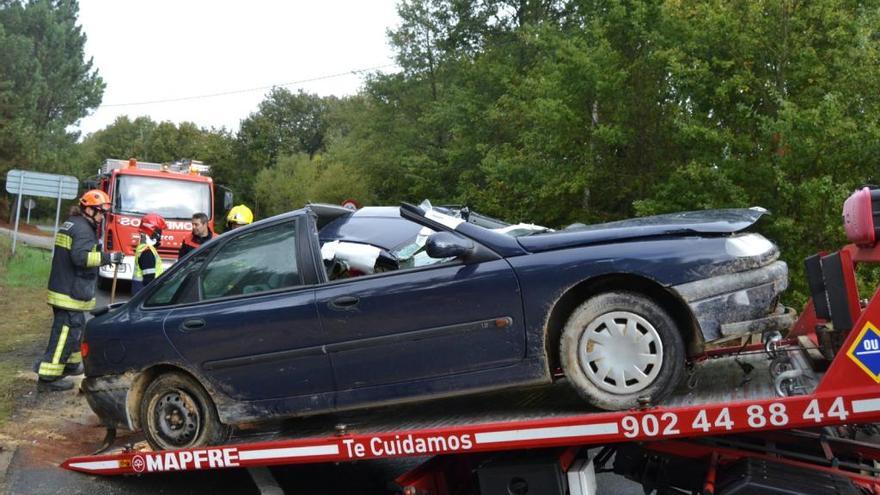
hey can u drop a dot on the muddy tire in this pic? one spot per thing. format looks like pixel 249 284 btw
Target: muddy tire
pixel 619 346
pixel 176 412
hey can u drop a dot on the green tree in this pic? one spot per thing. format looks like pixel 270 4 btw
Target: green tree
pixel 124 138
pixel 144 139
pixel 556 111
pixel 285 186
pixel 164 143
pixel 297 180
pixel 285 123
pixel 784 110
pixel 46 84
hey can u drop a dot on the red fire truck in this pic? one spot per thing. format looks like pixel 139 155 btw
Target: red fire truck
pixel 173 190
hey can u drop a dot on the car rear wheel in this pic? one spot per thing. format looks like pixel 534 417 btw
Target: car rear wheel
pixel 176 412
pixel 619 346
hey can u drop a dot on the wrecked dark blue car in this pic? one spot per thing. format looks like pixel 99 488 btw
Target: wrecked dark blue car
pixel 324 309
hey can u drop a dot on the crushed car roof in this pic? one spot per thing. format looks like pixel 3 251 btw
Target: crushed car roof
pixel 379 226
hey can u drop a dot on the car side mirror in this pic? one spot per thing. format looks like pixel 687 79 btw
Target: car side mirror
pixel 448 245
pixel 107 308
pixel 227 198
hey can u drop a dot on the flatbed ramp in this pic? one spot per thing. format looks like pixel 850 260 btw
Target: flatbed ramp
pixel 721 380
pixel 732 394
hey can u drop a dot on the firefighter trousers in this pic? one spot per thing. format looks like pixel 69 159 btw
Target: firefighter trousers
pixel 62 351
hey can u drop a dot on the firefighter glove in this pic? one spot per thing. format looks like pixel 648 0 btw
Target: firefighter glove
pixel 116 258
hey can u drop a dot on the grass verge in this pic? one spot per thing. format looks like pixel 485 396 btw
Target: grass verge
pixel 26 318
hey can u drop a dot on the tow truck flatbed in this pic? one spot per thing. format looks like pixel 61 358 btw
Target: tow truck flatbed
pixel 717 380
pixel 725 400
pixel 790 392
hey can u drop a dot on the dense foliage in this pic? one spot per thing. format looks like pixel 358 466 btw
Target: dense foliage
pixel 550 111
pixel 46 84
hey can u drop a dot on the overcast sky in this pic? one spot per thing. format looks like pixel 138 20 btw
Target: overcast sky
pixel 154 50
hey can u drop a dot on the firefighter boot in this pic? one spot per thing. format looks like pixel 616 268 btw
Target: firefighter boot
pixel 59 385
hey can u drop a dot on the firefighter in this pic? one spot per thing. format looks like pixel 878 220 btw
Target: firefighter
pixel 201 233
pixel 147 263
pixel 72 282
pixel 238 216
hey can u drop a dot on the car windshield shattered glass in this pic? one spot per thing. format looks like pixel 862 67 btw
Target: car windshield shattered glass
pixel 344 257
pixel 413 254
pixel 452 217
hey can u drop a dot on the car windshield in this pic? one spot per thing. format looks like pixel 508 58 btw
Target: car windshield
pixel 452 216
pixel 170 198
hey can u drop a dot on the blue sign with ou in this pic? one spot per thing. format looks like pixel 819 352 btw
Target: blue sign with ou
pixel 865 351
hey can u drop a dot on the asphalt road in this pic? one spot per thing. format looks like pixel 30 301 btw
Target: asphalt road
pixel 31 239
pixel 33 469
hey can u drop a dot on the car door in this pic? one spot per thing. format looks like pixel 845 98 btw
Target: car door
pixel 254 332
pixel 422 323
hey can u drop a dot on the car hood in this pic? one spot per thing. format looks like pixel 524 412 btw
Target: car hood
pixel 707 222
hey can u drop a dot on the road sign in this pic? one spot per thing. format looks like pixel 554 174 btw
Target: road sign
pixel 29 204
pixel 27 183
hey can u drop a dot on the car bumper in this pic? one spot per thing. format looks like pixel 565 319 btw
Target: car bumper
pixel 738 303
pixel 108 396
pixel 125 270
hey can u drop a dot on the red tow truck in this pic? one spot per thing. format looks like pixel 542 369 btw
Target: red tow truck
pixel 792 414
pixel 173 190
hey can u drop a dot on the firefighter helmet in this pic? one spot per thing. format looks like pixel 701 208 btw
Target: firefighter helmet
pixel 95 198
pixel 240 215
pixel 152 224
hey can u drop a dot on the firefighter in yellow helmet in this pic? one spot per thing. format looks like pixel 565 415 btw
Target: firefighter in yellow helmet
pixel 238 216
pixel 72 282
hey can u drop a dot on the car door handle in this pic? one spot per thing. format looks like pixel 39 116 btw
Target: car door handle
pixel 193 324
pixel 344 303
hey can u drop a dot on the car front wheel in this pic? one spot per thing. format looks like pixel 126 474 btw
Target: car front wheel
pixel 620 346
pixel 176 413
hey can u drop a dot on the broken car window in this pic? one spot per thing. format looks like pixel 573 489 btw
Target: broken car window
pixel 453 216
pixel 346 259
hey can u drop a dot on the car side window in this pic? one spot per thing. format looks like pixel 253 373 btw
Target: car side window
pixel 348 259
pixel 178 287
pixel 254 262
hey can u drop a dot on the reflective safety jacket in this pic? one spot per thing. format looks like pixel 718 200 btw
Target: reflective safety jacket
pixel 75 265
pixel 155 268
pixel 193 242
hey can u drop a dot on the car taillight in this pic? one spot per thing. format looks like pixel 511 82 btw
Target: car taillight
pixel 84 349
pixel 860 214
